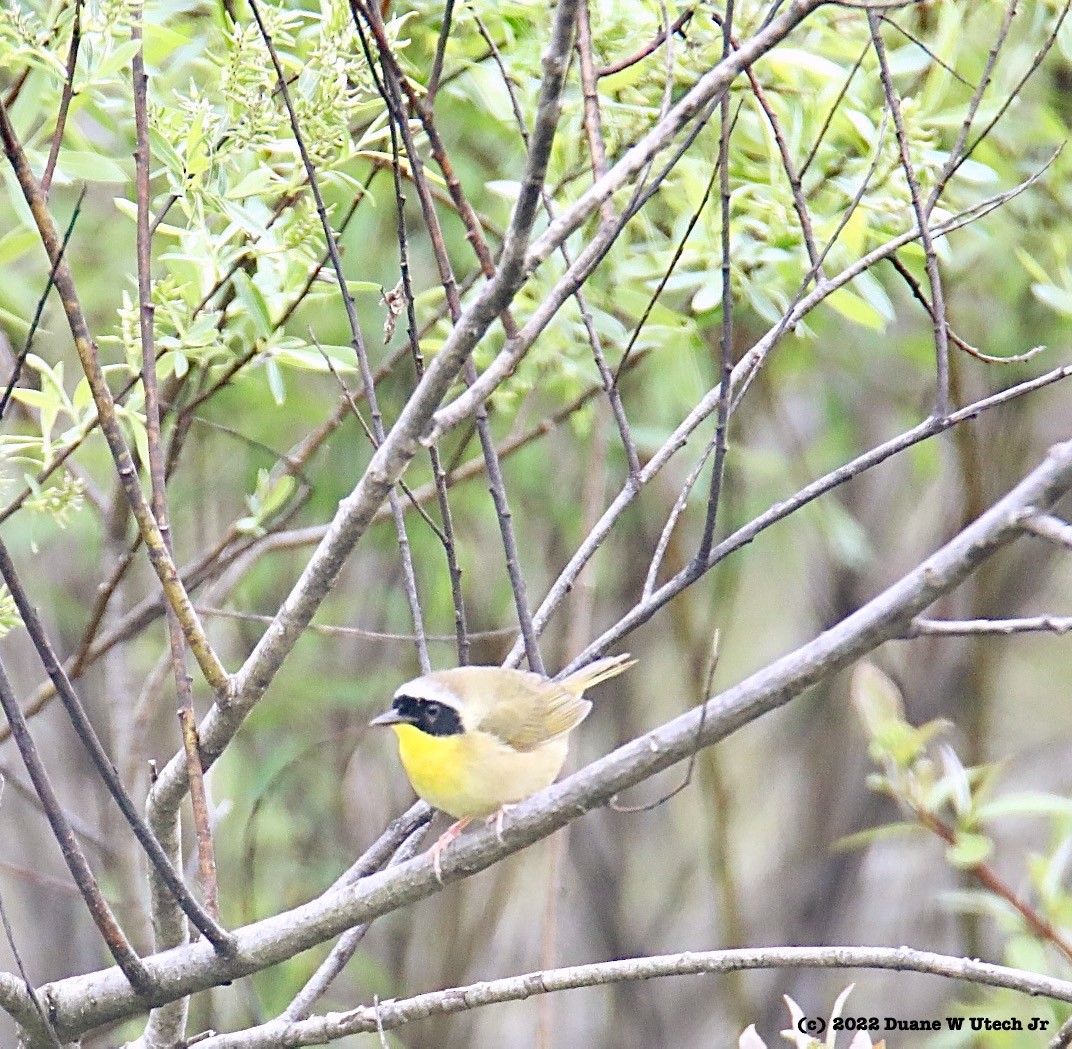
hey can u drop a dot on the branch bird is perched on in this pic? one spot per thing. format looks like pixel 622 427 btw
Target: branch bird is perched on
pixel 475 740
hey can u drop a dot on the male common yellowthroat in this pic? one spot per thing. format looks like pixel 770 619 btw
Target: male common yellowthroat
pixel 474 740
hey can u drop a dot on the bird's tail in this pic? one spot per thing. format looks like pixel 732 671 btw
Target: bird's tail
pixel 600 670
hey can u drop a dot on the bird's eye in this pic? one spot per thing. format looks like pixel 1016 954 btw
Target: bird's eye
pixel 432 709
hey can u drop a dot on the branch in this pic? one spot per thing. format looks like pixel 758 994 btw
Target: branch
pixel 389 1015
pixel 65 99
pixel 357 510
pixel 1049 526
pixel 214 671
pixel 710 86
pixel 102 763
pixel 83 1002
pixel 660 38
pixel 973 627
pixel 132 972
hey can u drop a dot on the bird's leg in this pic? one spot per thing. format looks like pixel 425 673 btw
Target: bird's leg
pixel 443 841
pixel 497 817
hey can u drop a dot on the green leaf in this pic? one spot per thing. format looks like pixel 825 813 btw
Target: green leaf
pixel 276 385
pixel 253 301
pixel 251 185
pixel 864 838
pixel 877 699
pixel 969 850
pixel 92 167
pixel 856 309
pixel 120 58
pixel 16 242
pixel 1059 299
pixel 1026 803
pixel 277 496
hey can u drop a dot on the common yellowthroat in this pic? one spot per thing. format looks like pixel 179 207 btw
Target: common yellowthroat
pixel 475 740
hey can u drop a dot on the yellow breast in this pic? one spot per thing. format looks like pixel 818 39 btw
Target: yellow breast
pixel 475 774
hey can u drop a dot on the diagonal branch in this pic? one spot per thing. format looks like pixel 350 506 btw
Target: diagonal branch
pixel 213 670
pixel 87 735
pixel 82 1002
pixel 357 510
pixel 132 969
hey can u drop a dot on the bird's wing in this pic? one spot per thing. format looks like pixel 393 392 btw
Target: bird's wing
pixel 529 719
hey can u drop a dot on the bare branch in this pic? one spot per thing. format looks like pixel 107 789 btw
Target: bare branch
pixel 392 1014
pixel 132 969
pixel 357 510
pixel 1051 527
pixel 83 1002
pixel 937 309
pixel 65 99
pixel 972 627
pixel 211 667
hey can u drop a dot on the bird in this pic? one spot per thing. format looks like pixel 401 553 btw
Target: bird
pixel 476 740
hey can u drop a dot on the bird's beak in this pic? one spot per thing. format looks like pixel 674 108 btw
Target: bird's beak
pixel 389 717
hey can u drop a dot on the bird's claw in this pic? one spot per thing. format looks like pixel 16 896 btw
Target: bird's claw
pixel 497 817
pixel 442 842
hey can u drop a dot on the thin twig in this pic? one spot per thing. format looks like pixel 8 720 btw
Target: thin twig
pixel 708 682
pixel 835 108
pixel 118 946
pixel 920 627
pixel 353 631
pixel 356 338
pixel 593 123
pixel 660 38
pixel 65 99
pixel 392 1014
pixel 83 727
pixel 972 351
pixel 722 415
pixel 937 310
pixel 958 153
pixel 206 853
pixel 432 87
pixel 20 361
pixel 929 52
pixel 46 1024
pixel 446 535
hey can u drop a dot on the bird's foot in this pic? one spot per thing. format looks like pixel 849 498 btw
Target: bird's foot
pixel 497 818
pixel 443 841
